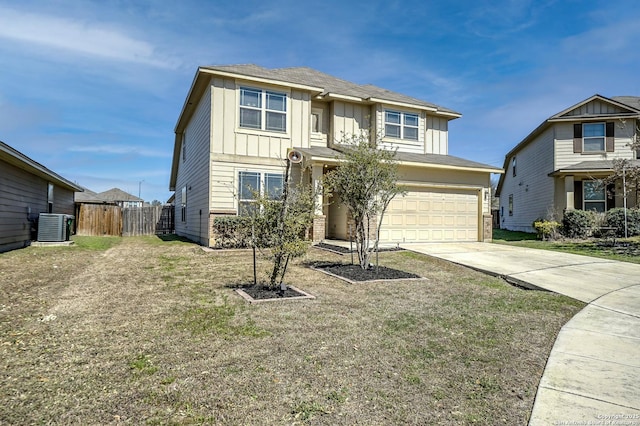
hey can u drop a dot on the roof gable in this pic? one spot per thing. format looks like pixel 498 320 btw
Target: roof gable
pixel 598 106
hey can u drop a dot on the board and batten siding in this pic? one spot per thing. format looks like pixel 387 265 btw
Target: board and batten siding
pixel 228 138
pixel 349 119
pixel 437 135
pixel 193 173
pixel 21 191
pixel 532 187
pixel 564 155
pixel 595 107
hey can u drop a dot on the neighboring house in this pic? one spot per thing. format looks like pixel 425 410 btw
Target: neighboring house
pixel 119 197
pixel 557 166
pixel 28 188
pixel 239 122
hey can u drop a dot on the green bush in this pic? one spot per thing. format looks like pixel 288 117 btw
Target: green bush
pixel 578 223
pixel 546 229
pixel 615 219
pixel 232 232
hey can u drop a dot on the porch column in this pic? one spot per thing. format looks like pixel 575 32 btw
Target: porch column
pixel 319 219
pixel 568 191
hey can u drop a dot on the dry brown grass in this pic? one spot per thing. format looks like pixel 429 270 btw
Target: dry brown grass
pixel 149 332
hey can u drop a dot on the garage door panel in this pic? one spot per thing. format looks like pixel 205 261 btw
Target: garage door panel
pixel 432 215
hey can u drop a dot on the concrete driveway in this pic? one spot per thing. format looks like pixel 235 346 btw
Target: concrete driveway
pixel 593 372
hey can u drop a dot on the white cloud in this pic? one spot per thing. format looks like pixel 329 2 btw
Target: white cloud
pixel 121 150
pixel 79 37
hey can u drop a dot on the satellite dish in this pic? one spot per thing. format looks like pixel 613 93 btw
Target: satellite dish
pixel 295 156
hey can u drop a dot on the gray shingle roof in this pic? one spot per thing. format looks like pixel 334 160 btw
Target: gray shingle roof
pixel 594 165
pixel 116 194
pixel 329 84
pixel 632 101
pixel 427 159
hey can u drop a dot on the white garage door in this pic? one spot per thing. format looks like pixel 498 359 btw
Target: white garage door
pixel 432 215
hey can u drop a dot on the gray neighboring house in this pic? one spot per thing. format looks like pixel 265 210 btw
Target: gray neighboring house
pixel 556 167
pixel 27 188
pixel 113 196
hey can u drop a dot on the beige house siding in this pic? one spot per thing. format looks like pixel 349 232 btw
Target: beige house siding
pixel 21 192
pixel 224 178
pixel 437 135
pixel 320 139
pixel 402 145
pixel 532 189
pixel 229 138
pixel 194 173
pixel 349 119
pixel 564 155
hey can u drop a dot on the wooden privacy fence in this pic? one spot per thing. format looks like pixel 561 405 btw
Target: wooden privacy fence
pixel 96 219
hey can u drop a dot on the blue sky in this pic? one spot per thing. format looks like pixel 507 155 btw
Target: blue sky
pixel 93 90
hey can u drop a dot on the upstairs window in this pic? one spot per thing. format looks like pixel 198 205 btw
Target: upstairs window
pixel 263 110
pixel 184 146
pixel 593 137
pixel 401 125
pixel 513 166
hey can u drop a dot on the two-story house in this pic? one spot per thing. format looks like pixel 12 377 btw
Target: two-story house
pixel 558 166
pixel 239 122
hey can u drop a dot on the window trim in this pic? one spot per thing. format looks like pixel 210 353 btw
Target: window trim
pixel 262 183
pixel 513 165
pixel 402 124
pixel 263 109
pixel 318 113
pixel 50 196
pixel 183 204
pixel 184 146
pixel 603 137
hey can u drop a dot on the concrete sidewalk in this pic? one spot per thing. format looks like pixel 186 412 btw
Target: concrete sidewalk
pixel 593 372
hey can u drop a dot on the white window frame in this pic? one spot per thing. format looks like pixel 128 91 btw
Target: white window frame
pixel 183 204
pixel 262 108
pixel 263 176
pixel 317 113
pixel 603 137
pixel 50 196
pixel 401 124
pixel 602 201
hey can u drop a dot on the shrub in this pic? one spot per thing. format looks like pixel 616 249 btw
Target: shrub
pixel 615 219
pixel 578 223
pixel 546 229
pixel 232 232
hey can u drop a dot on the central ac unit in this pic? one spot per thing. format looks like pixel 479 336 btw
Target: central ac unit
pixel 53 227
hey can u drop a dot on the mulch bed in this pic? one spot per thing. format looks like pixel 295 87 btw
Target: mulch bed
pixel 346 250
pixel 354 273
pixel 261 293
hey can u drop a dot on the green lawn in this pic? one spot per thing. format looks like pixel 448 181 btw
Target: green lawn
pixel 626 250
